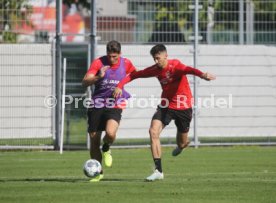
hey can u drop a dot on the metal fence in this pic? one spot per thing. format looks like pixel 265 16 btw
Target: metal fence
pixel 146 21
pixel 220 21
pixel 75 125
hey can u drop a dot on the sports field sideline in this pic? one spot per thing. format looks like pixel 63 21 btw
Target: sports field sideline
pixel 204 175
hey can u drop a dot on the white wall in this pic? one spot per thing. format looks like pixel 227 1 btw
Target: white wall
pixel 25 79
pixel 247 73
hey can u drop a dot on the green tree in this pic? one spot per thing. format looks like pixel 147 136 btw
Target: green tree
pixel 166 28
pixel 265 12
pixel 12 14
pixel 227 18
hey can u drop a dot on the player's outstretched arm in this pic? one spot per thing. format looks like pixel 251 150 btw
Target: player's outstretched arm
pixel 146 73
pixel 208 76
pixel 182 69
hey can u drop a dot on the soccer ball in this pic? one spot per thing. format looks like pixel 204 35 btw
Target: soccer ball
pixel 92 168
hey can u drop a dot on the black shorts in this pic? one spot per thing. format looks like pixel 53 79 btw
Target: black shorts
pixel 97 118
pixel 182 118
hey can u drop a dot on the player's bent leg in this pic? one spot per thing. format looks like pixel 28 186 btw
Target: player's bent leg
pixel 182 143
pixel 182 140
pixel 111 131
pixel 109 138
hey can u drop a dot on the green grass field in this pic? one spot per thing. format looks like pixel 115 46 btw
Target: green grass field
pixel 204 175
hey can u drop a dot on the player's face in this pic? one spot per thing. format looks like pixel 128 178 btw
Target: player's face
pixel 161 59
pixel 113 58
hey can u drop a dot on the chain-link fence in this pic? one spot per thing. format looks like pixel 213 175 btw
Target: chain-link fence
pixel 220 21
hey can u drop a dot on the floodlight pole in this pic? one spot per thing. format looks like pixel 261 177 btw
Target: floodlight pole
pixel 196 33
pixel 92 48
pixel 249 22
pixel 58 72
pixel 241 30
pixel 93 29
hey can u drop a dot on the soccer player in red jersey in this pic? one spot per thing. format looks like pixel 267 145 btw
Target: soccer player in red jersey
pixel 176 101
pixel 104 112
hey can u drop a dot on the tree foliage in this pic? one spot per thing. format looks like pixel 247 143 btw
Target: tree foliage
pixel 166 28
pixel 12 14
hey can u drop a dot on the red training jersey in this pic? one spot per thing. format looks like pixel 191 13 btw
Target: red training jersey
pixel 176 92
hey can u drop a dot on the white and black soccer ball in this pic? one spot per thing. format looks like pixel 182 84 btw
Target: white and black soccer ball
pixel 92 168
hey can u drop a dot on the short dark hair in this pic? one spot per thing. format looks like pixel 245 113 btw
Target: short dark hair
pixel 113 47
pixel 157 49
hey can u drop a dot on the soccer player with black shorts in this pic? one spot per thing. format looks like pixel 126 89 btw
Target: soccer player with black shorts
pixel 105 111
pixel 176 101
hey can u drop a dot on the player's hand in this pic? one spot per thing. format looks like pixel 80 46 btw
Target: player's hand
pixel 208 76
pixel 103 70
pixel 117 92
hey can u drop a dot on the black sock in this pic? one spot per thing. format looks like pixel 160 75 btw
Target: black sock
pixel 105 147
pixel 158 165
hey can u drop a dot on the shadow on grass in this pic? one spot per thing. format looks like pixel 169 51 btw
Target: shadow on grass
pixel 121 180
pixel 68 180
